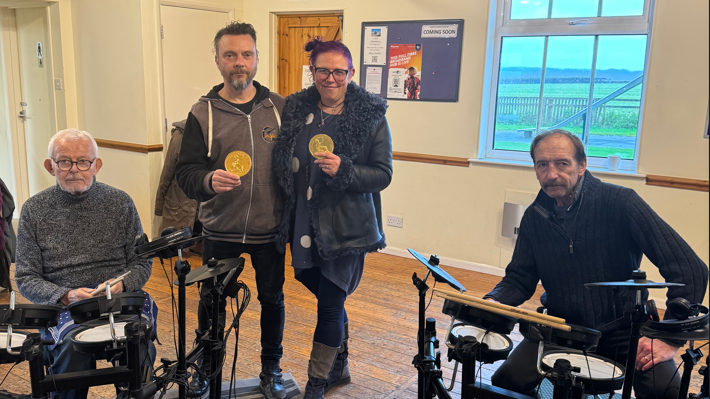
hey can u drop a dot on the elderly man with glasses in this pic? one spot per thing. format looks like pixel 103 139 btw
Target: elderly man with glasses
pixel 73 237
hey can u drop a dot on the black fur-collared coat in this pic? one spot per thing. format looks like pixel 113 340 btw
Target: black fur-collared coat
pixel 344 211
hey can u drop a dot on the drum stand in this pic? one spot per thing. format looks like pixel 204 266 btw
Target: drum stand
pixel 704 371
pixel 690 359
pixel 33 348
pixel 428 366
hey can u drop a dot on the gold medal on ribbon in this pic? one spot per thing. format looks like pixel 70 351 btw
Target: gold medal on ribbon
pixel 238 162
pixel 320 143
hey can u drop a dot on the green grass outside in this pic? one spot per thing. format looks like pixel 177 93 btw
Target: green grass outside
pixel 618 132
pixel 601 152
pixel 579 90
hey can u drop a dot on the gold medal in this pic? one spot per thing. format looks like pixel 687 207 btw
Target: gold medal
pixel 320 143
pixel 238 162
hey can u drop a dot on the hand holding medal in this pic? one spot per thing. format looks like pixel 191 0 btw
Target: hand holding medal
pixel 237 164
pixel 321 147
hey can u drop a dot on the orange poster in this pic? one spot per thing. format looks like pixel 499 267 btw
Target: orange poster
pixel 405 71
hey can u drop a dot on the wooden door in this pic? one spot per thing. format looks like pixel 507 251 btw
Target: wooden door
pixel 294 31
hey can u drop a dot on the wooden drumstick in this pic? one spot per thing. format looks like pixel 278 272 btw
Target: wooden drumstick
pixel 502 306
pixel 525 316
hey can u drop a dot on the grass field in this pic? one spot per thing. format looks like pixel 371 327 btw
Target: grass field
pixel 580 90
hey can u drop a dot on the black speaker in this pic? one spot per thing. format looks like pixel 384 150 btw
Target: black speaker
pixel 688 317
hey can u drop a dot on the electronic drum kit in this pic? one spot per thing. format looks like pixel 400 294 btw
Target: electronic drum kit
pixel 112 328
pixel 479 329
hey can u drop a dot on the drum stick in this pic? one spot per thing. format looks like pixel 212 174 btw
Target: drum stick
pixel 102 287
pixel 525 316
pixel 502 306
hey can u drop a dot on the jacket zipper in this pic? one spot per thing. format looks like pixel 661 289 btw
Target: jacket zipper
pixel 253 165
pixel 547 217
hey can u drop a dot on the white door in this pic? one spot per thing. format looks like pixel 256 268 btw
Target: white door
pixel 37 92
pixel 27 117
pixel 189 71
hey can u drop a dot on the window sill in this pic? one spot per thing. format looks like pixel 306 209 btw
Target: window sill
pixel 529 165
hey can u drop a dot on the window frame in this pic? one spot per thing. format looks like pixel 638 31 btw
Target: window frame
pixel 503 26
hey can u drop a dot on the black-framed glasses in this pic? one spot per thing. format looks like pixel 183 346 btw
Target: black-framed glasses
pixel 339 75
pixel 83 165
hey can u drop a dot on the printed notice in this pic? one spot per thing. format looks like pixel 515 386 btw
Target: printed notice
pixel 306 77
pixel 375 45
pixel 440 31
pixel 373 80
pixel 405 71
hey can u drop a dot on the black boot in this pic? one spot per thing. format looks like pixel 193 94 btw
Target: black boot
pixel 340 374
pixel 200 384
pixel 271 382
pixel 320 365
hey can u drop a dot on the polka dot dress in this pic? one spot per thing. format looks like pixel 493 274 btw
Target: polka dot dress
pixel 345 272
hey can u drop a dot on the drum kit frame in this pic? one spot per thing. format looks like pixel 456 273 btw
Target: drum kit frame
pixel 483 322
pixel 95 315
pixel 123 351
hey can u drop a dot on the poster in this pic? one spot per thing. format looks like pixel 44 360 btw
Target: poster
pixel 405 71
pixel 375 45
pixel 373 80
pixel 306 77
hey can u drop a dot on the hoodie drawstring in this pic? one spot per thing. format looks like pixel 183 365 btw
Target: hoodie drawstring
pixel 209 128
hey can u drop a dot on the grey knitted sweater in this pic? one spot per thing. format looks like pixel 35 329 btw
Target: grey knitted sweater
pixel 69 241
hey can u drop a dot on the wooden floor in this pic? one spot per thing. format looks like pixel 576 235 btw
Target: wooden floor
pixel 383 325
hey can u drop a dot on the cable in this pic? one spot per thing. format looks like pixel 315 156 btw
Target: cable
pixel 172 303
pixel 589 368
pixel 8 372
pixel 431 297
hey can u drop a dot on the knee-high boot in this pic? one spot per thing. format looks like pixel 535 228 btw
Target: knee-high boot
pixel 340 374
pixel 322 359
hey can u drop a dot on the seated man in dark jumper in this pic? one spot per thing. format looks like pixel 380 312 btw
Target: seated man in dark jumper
pixel 580 230
pixel 73 237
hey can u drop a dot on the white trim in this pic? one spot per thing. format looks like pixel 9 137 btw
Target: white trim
pixel 505 27
pixel 199 6
pixel 451 262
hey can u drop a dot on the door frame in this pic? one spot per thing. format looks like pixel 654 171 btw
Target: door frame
pixel 181 4
pixel 274 37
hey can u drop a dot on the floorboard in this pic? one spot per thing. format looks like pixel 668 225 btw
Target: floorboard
pixel 383 325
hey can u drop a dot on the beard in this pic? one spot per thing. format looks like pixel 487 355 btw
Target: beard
pixel 72 188
pixel 239 85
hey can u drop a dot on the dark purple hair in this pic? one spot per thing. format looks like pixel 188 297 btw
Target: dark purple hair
pixel 317 47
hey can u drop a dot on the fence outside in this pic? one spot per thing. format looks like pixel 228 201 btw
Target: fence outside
pixel 524 109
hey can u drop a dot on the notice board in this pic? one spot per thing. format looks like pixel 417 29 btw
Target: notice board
pixel 412 60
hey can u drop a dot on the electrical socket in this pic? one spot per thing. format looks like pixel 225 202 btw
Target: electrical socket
pixel 395 221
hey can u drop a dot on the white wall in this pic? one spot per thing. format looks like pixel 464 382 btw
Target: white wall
pixel 456 212
pixel 112 75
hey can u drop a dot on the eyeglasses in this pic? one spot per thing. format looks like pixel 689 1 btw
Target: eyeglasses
pixel 65 164
pixel 339 75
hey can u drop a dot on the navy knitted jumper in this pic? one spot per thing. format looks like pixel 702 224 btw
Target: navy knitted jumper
pixel 614 229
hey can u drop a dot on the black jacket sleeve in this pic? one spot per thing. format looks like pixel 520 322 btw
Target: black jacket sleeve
pixel 192 168
pixel 373 176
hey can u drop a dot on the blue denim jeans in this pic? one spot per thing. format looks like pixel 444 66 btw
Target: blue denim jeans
pixel 268 266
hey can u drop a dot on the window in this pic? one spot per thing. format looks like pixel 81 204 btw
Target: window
pixel 577 65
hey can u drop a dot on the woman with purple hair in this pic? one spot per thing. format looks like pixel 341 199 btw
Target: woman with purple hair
pixel 332 213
